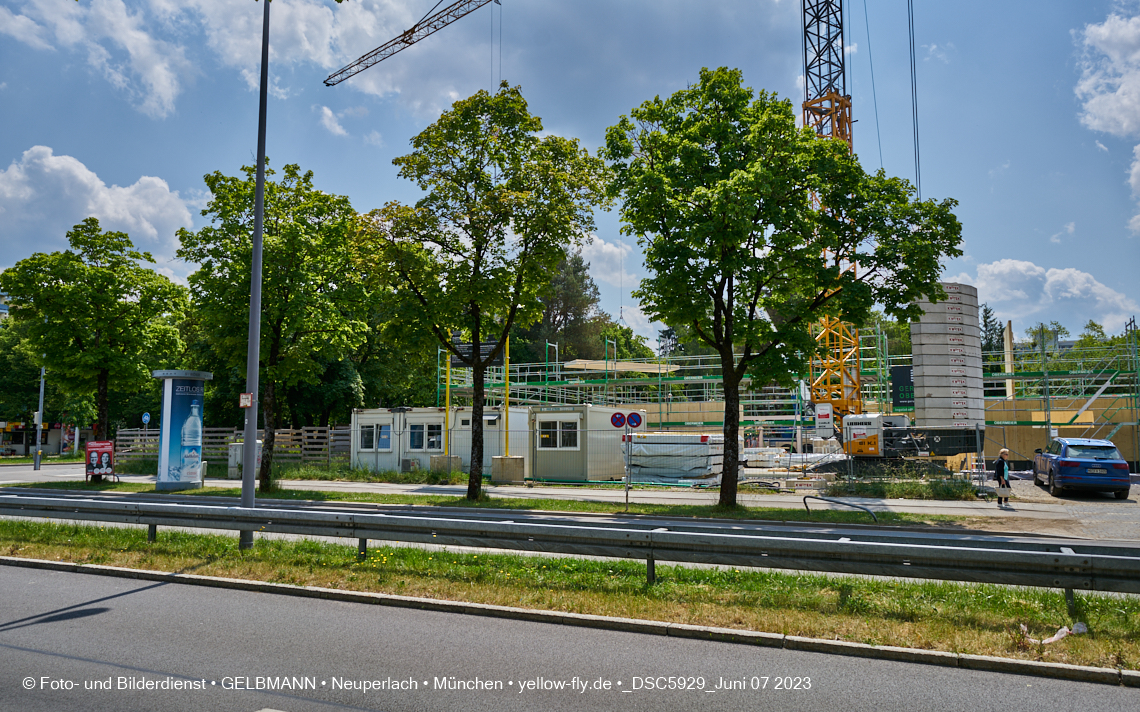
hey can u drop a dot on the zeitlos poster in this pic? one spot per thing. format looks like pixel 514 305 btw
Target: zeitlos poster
pixel 180 447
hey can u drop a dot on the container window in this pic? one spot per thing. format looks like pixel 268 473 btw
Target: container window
pixel 558 434
pixel 435 437
pixel 368 437
pixel 548 435
pixel 569 433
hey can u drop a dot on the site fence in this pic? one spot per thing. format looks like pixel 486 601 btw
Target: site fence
pixel 556 451
pixel 315 445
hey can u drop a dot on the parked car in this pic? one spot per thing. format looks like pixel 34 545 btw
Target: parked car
pixel 1081 463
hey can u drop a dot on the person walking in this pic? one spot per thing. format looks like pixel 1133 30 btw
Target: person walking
pixel 1001 474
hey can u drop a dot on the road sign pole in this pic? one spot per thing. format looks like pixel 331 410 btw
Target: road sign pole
pixel 628 475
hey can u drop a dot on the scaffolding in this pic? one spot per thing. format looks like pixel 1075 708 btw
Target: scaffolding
pixel 1091 392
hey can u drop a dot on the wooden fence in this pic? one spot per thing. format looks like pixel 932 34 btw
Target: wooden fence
pixel 315 445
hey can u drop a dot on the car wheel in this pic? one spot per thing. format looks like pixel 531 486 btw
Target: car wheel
pixel 1037 478
pixel 1122 494
pixel 1054 489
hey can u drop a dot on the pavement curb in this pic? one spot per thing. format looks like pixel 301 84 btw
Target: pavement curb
pixel 1076 673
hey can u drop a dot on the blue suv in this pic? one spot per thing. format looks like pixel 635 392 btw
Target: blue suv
pixel 1081 463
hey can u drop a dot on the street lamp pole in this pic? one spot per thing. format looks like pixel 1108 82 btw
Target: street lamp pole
pixel 253 350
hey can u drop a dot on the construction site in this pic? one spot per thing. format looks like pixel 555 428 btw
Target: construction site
pixel 946 400
pixel 1028 395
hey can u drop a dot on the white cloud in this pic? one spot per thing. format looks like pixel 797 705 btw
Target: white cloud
pixel 635 319
pixel 1027 293
pixel 940 53
pixel 1069 229
pixel 119 44
pixel 43 195
pixel 373 138
pixel 329 121
pixel 998 170
pixel 1110 85
pixel 24 29
pixel 608 262
pixel 1134 176
pixel 1110 77
pixel 1101 146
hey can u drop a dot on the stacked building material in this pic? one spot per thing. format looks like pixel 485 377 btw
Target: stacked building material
pixel 946 343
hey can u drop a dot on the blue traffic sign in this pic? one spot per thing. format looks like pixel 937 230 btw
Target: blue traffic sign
pixel 146 418
pixel 634 420
pixel 617 420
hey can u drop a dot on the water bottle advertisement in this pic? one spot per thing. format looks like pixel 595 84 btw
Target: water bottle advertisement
pixel 180 448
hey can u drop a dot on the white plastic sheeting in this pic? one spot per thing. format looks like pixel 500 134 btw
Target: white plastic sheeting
pixel 676 456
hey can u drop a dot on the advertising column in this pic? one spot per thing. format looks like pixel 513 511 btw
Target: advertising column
pixel 180 431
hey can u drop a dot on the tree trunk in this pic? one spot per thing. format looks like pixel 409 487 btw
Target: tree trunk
pixel 731 473
pixel 102 424
pixel 475 480
pixel 268 410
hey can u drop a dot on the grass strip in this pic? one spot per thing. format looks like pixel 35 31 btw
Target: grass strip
pixel 695 511
pixel 47 459
pixel 975 619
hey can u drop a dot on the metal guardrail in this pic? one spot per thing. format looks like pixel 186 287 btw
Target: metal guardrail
pixel 1035 563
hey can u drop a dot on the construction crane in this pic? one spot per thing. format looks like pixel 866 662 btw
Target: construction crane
pixel 428 25
pixel 834 375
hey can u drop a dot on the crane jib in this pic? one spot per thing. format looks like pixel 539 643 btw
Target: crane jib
pixel 423 28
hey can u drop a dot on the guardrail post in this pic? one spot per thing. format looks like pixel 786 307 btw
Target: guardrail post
pixel 1071 602
pixel 152 534
pixel 650 570
pixel 361 549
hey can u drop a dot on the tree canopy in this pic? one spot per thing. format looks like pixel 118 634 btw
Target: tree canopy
pixel 99 317
pixel 313 303
pixel 724 192
pixel 477 252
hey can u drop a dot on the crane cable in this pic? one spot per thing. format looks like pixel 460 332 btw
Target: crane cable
pixel 914 102
pixel 874 93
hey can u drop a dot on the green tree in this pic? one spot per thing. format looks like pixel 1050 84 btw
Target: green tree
pixel 718 184
pixel 626 344
pixel 897 332
pixel 1093 335
pixel 992 330
pixel 571 318
pixel 476 253
pixel 99 316
pixel 1051 334
pixel 312 299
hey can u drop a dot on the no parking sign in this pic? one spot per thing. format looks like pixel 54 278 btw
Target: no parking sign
pixel 634 420
pixel 617 420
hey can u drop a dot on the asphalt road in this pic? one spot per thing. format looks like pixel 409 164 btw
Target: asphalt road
pixel 75 641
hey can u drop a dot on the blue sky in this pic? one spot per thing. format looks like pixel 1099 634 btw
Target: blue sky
pixel 1029 115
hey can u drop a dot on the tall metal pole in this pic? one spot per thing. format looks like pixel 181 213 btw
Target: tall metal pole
pixel 253 350
pixel 39 423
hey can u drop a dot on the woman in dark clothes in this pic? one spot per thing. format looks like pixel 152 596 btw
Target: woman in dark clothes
pixel 1001 474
